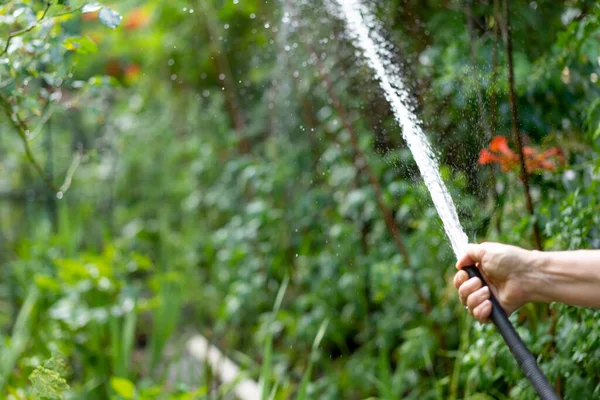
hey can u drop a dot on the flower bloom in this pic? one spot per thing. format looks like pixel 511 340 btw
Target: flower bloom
pixel 500 153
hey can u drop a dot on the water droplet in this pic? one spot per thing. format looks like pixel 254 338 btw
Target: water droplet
pixel 171 62
pixel 226 26
pixel 252 16
pixel 59 195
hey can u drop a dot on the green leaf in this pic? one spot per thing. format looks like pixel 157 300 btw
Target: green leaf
pixel 123 387
pixel 109 17
pixel 81 45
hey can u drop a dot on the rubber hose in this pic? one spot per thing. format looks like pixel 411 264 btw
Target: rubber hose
pixel 525 359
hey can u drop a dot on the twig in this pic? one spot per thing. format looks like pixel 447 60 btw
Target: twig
pixel 506 35
pixel 41 124
pixel 22 130
pixel 71 171
pixel 23 31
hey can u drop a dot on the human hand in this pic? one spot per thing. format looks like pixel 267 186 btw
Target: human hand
pixel 506 270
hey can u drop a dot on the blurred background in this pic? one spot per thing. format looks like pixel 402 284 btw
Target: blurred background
pixel 230 169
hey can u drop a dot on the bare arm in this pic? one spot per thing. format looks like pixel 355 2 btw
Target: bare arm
pixel 517 276
pixel 571 277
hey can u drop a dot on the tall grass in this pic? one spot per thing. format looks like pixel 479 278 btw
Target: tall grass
pixel 10 353
pixel 267 366
pixel 270 388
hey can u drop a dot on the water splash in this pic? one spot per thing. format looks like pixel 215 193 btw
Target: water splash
pixel 364 29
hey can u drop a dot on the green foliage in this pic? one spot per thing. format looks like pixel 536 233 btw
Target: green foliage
pixel 48 382
pixel 189 171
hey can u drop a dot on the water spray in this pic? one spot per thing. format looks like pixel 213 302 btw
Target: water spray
pixel 363 28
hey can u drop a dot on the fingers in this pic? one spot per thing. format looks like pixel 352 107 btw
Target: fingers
pixel 468 288
pixel 460 278
pixel 473 254
pixel 483 311
pixel 477 298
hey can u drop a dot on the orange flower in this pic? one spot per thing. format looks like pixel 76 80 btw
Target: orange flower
pixel 487 157
pixel 499 144
pixel 500 153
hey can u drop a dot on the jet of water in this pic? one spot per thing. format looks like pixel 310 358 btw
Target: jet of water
pixel 363 28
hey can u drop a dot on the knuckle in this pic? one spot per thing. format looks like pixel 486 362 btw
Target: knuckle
pixel 478 314
pixel 472 301
pixel 458 280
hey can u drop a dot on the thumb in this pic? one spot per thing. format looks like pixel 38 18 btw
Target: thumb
pixel 473 254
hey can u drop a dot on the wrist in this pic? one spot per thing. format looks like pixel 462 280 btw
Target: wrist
pixel 534 276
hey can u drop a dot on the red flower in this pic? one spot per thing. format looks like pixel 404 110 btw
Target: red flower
pixel 500 153
pixel 487 157
pixel 499 144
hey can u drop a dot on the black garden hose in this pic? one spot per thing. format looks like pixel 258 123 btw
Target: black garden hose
pixel 526 360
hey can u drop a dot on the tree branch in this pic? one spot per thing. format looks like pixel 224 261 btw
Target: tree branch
pixel 506 35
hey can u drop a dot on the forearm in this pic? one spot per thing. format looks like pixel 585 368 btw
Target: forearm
pixel 571 277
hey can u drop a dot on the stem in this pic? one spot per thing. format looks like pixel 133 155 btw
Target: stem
pixel 506 34
pixel 22 130
pixel 23 31
pixel 72 168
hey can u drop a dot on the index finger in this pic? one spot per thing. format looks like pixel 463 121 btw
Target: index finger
pixel 473 254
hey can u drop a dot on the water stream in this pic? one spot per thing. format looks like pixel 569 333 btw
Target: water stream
pixel 363 28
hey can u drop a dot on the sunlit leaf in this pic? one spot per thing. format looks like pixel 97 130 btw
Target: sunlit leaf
pixel 123 387
pixel 81 45
pixel 91 7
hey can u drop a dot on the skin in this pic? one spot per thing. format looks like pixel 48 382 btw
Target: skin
pixel 517 276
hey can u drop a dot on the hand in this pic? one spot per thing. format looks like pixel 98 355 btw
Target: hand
pixel 506 270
